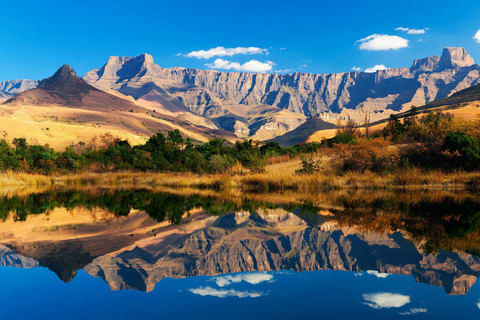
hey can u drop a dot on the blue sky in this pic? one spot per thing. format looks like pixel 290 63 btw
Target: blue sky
pixel 37 37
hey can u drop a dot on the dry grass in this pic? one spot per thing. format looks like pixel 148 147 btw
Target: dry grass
pixel 21 179
pixel 281 178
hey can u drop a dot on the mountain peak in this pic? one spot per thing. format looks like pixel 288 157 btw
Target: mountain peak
pixel 65 71
pixel 65 80
pixel 64 75
pixel 455 57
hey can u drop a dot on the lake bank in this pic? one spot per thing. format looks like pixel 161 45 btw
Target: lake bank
pixel 412 179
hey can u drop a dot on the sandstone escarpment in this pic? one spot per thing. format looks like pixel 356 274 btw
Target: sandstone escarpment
pixel 212 93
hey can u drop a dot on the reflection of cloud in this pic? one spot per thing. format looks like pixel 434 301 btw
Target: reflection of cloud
pixel 413 311
pixel 377 274
pixel 385 300
pixel 252 278
pixel 209 291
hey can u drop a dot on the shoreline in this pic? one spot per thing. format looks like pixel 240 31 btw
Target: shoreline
pixel 412 179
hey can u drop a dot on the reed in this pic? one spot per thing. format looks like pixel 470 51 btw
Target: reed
pixel 269 181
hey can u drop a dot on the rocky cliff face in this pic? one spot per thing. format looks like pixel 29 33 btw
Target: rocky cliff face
pixel 237 242
pixel 10 88
pixel 214 94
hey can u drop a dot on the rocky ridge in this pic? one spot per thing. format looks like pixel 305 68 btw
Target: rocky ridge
pixel 216 95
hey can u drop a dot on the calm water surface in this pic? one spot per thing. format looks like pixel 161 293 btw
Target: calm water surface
pixel 171 254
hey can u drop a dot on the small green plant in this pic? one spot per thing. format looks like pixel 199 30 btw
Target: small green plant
pixel 309 164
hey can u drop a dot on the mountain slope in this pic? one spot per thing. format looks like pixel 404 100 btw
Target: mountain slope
pixel 168 91
pixel 64 109
pixel 10 88
pixel 464 104
pixel 301 133
pixel 218 95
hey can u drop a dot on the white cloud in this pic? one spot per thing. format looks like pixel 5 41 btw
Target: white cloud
pixel 356 68
pixel 178 54
pixel 385 300
pixel 376 68
pixel 412 31
pixel 476 37
pixel 222 52
pixel 413 311
pixel 377 274
pixel 209 291
pixel 379 42
pixel 478 304
pixel 250 66
pixel 284 71
pixel 252 278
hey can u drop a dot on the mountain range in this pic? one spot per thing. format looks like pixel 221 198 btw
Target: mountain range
pixel 236 105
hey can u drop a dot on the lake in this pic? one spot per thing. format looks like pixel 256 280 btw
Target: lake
pixel 159 253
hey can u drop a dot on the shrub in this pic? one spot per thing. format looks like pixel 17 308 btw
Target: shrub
pixel 461 150
pixel 309 164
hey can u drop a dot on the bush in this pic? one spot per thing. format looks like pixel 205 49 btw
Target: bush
pixel 461 150
pixel 377 155
pixel 309 164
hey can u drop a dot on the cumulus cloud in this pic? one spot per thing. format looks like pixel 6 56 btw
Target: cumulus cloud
pixel 223 52
pixel 478 304
pixel 381 42
pixel 377 274
pixel 376 68
pixel 250 66
pixel 412 31
pixel 209 291
pixel 413 311
pixel 476 37
pixel 252 278
pixel 385 300
pixel 356 68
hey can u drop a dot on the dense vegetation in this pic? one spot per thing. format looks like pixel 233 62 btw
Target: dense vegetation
pixel 432 141
pixel 171 153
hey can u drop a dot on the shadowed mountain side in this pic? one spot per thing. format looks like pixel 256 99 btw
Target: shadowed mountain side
pixel 4 96
pixel 302 132
pixel 238 243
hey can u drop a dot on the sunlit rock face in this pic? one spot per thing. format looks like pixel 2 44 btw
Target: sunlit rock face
pixel 214 94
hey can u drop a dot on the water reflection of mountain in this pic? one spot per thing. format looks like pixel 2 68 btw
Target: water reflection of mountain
pixel 137 250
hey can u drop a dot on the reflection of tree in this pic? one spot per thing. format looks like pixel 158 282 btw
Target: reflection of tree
pixel 159 206
pixel 445 224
